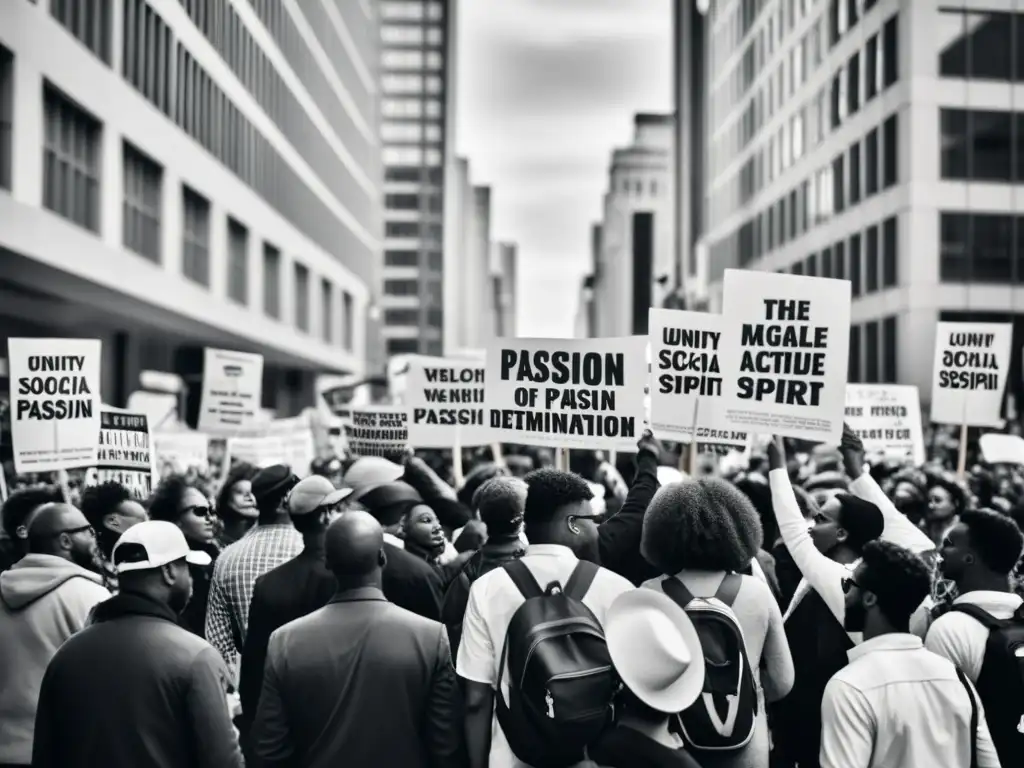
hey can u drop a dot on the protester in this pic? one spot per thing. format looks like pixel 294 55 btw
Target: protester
pixel 561 531
pixel 293 589
pixel 273 541
pixel 500 503
pixel 946 502
pixel 701 534
pixel 657 655
pixel 177 501
pixel 368 473
pixel 16 515
pixel 984 630
pixel 359 682
pixel 897 704
pixel 134 688
pixel 45 598
pixel 236 505
pixel 111 509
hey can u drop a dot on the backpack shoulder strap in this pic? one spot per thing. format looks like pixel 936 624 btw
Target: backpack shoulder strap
pixel 580 580
pixel 676 590
pixel 729 588
pixel 979 614
pixel 974 717
pixel 523 579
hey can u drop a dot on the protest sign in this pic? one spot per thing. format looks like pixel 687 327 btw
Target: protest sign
pixel 179 452
pixel 377 431
pixel 567 393
pixel 55 402
pixel 259 450
pixel 126 454
pixel 287 441
pixel 887 419
pixel 232 391
pixel 444 398
pixel 784 353
pixel 684 372
pixel 972 361
pixel 998 448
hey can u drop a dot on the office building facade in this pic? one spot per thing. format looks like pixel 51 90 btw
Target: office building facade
pixel 417 57
pixel 877 141
pixel 197 173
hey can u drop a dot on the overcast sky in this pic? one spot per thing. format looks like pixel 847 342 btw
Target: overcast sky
pixel 546 89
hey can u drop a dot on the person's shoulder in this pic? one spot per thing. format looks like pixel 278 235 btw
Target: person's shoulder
pixel 83 587
pixel 611 582
pixel 755 589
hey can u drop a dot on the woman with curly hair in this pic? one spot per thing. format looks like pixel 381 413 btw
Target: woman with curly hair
pixel 177 501
pixel 236 506
pixel 947 500
pixel 699 532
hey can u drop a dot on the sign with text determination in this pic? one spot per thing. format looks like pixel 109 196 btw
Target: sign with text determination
pixel 887 419
pixel 444 398
pixel 232 391
pixel 972 361
pixel 686 377
pixel 572 393
pixel 55 402
pixel 785 344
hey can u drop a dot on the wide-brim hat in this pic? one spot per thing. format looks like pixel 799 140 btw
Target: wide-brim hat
pixel 655 649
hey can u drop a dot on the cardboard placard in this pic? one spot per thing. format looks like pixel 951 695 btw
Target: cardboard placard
pixel 972 361
pixel 684 370
pixel 785 346
pixel 177 452
pixel 567 393
pixel 444 398
pixel 54 402
pixel 232 391
pixel 377 431
pixel 887 419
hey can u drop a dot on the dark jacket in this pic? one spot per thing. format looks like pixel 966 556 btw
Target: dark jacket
pixel 135 689
pixel 619 535
pixel 494 554
pixel 292 590
pixel 411 583
pixel 193 618
pixel 360 682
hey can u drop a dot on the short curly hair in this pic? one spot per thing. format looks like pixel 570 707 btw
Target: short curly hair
pixel 165 503
pixel 551 490
pixel 703 524
pixel 995 538
pixel 100 500
pixel 21 504
pixel 897 577
pixel 501 502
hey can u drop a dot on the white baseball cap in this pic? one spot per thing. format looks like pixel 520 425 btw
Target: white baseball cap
pixel 158 543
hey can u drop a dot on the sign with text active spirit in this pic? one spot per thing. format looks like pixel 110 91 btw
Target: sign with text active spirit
pixel 785 343
pixel 972 361
pixel 569 393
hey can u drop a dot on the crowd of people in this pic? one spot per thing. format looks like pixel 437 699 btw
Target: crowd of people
pixel 796 609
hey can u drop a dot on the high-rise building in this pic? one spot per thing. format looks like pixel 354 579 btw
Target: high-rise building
pixel 181 174
pixel 504 273
pixel 417 120
pixel 634 265
pixel 877 142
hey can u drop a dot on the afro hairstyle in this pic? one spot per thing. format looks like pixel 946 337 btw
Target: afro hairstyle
pixel 21 504
pixel 704 524
pixel 551 490
pixel 900 579
pixel 241 471
pixel 101 500
pixel 165 503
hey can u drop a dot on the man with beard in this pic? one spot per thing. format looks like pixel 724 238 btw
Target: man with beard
pixel 159 692
pixel 45 598
pixel 111 510
pixel 897 704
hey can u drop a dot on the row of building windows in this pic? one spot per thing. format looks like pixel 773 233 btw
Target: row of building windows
pixel 981 248
pixel 408 83
pixel 432 109
pixel 869 166
pixel 637 188
pixel 412 133
pixel 431 232
pixel 417 61
pixel 433 203
pixel 412 35
pixel 411 10
pixel 72 149
pixel 418 174
pixel 432 158
pixel 982 145
pixel 434 291
pixel 435 259
pixel 413 346
pixel 89 21
pixel 872 352
pixel 869 260
pixel 981 44
pixel 6 117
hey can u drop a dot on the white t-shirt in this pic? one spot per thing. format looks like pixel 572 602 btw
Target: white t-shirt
pixel 494 598
pixel 962 638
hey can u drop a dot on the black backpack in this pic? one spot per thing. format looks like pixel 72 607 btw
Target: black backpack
pixel 560 676
pixel 1000 685
pixel 723 719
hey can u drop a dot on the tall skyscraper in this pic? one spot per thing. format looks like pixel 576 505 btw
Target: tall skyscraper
pixel 175 175
pixel 417 116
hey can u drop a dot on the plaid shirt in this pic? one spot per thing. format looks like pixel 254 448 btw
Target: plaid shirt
pixel 234 575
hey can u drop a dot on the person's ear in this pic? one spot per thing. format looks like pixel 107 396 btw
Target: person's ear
pixel 21 532
pixel 868 598
pixel 968 559
pixel 169 574
pixel 841 535
pixel 382 558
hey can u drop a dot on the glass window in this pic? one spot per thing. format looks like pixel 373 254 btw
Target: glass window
pixel 890 253
pixel 954 248
pixel 839 260
pixel 853 168
pixel 401 108
pixel 992 248
pixel 871 163
pixel 401 35
pixel 855 271
pixel 838 184
pixel 399 59
pixel 142 181
pixel 271 281
pixel 871 69
pixel 889 351
pixel 976 44
pixel 890 52
pixel 410 132
pixel 955 144
pixel 890 151
pixel 871 344
pixel 302 297
pixel 853 84
pixel 798 268
pixel 991 145
pixel 71 166
pixel 195 237
pixel 348 321
pixel 826 262
pixel 853 374
pixel 871 260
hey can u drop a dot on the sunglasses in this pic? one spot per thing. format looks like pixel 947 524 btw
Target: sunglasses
pixel 199 511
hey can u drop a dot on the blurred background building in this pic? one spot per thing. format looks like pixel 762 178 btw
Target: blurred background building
pixel 182 174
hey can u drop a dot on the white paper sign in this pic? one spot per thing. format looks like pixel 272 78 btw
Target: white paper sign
pixel 444 398
pixel 785 345
pixel 378 431
pixel 997 448
pixel 55 402
pixel 232 391
pixel 292 443
pixel 260 451
pixel 972 361
pixel 570 393
pixel 178 452
pixel 686 377
pixel 887 419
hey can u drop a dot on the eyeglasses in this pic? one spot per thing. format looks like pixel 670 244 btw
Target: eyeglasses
pixel 849 583
pixel 198 511
pixel 87 529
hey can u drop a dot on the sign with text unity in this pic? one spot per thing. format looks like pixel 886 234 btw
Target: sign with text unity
pixel 972 361
pixel 445 401
pixel 785 345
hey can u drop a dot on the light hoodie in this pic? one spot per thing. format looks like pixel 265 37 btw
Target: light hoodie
pixel 44 600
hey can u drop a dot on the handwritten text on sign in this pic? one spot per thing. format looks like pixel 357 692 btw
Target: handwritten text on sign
pixel 568 392
pixel 971 366
pixel 785 341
